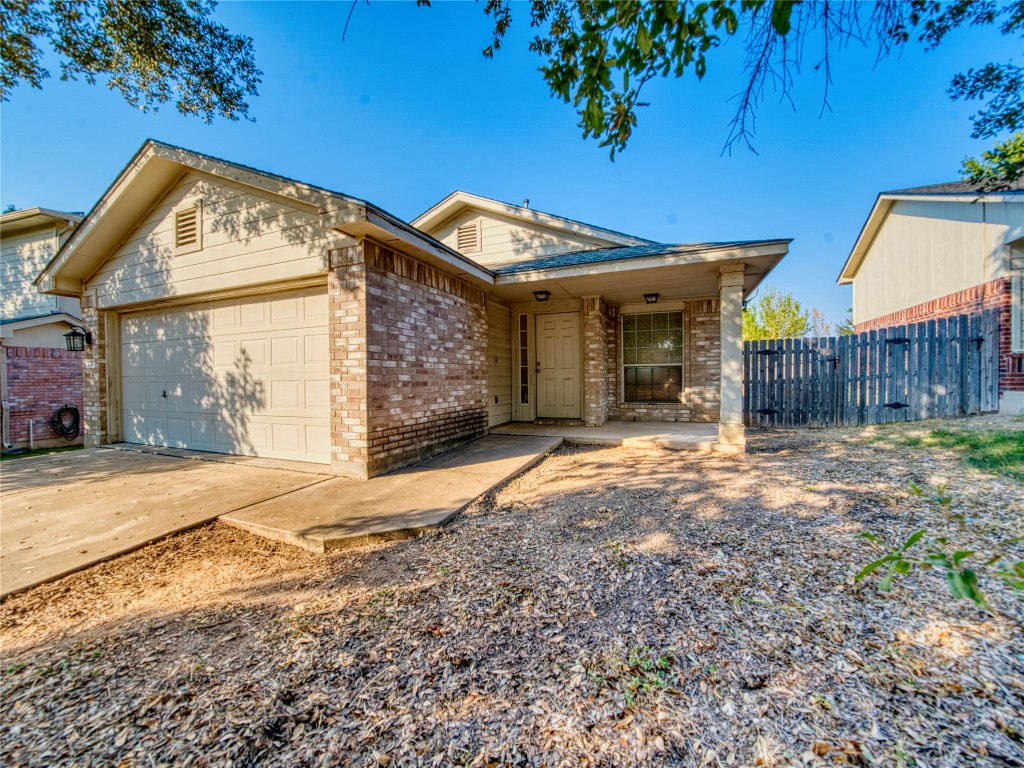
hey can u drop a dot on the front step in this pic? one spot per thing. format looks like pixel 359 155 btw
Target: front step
pixel 560 422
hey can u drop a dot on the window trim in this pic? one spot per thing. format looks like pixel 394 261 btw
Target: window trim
pixel 1017 311
pixel 622 365
pixel 198 244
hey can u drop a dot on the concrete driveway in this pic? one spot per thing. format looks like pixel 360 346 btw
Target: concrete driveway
pixel 63 512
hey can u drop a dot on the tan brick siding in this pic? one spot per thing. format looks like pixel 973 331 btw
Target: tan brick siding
pixel 415 383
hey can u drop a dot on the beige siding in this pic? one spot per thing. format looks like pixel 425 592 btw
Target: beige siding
pixel 499 363
pixel 248 238
pixel 507 239
pixel 50 335
pixel 929 249
pixel 22 258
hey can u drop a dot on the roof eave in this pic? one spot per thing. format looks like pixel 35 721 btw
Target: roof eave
pixel 778 248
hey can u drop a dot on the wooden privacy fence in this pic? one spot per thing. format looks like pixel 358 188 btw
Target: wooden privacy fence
pixel 933 369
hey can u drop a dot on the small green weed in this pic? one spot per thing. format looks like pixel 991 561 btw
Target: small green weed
pixel 641 673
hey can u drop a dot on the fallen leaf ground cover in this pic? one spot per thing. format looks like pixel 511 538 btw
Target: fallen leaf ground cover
pixel 609 607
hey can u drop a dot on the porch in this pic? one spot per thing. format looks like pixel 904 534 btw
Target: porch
pixel 674 436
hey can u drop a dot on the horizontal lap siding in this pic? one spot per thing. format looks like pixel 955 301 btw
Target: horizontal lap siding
pixel 506 239
pixel 21 260
pixel 248 239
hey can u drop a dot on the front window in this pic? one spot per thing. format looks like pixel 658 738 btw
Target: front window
pixel 652 357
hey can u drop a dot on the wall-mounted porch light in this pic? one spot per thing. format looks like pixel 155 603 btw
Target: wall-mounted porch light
pixel 76 339
pixel 542 295
pixel 651 298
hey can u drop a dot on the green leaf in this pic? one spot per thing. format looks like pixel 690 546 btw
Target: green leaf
pixel 886 583
pixel 869 536
pixel 969 580
pixel 781 10
pixel 956 586
pixel 914 538
pixel 873 566
pixel 643 39
pixel 903 567
pixel 960 555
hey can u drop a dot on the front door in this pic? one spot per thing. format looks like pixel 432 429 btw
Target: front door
pixel 558 366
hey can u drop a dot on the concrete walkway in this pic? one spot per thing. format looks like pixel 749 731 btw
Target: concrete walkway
pixel 63 512
pixel 676 436
pixel 340 512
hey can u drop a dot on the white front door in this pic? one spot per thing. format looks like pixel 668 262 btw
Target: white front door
pixel 558 366
pixel 248 376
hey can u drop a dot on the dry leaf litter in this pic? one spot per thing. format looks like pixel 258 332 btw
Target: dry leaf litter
pixel 611 607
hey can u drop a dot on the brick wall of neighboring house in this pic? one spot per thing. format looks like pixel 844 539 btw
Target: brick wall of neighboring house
pixel 701 400
pixel 995 294
pixel 409 365
pixel 41 380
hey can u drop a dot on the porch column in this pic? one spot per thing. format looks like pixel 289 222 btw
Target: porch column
pixel 595 361
pixel 731 436
pixel 94 375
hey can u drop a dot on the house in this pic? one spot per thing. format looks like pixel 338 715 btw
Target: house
pixel 943 250
pixel 37 374
pixel 238 311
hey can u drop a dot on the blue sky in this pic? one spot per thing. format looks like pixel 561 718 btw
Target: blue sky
pixel 406 110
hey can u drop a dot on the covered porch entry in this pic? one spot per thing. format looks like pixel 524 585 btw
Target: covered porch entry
pixel 625 341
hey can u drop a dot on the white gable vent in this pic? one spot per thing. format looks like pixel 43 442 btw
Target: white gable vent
pixel 468 238
pixel 188 229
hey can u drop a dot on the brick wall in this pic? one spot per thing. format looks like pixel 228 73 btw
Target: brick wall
pixel 598 325
pixel 995 294
pixel 40 381
pixel 701 371
pixel 409 364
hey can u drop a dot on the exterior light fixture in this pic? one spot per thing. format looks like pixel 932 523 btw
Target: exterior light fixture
pixel 651 298
pixel 76 339
pixel 542 295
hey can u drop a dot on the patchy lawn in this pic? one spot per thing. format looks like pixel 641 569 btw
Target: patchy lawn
pixel 610 607
pixel 995 450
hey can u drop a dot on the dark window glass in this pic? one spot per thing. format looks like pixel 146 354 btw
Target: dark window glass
pixel 652 357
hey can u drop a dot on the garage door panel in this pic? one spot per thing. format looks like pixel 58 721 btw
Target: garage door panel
pixel 248 376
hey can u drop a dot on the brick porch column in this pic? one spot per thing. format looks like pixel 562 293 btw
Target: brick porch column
pixel 595 361
pixel 347 331
pixel 731 435
pixel 94 375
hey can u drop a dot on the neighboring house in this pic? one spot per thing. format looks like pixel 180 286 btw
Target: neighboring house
pixel 37 374
pixel 944 250
pixel 237 311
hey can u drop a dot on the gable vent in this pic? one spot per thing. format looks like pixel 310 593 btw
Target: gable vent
pixel 188 230
pixel 468 238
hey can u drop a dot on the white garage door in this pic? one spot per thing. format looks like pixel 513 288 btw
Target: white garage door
pixel 248 376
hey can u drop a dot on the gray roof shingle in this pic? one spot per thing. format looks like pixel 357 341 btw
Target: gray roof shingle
pixel 601 255
pixel 954 188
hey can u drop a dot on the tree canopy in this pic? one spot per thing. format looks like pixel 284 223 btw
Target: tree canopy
pixel 599 54
pixel 777 315
pixel 152 52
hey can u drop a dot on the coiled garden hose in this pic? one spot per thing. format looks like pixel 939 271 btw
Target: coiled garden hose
pixel 66 421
